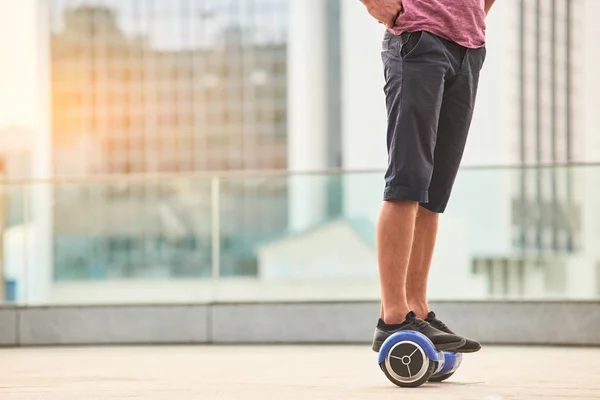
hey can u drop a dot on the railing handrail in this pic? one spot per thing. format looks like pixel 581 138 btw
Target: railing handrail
pixel 208 175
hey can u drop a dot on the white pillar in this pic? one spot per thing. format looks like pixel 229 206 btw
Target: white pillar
pixel 364 118
pixel 587 84
pixel 583 279
pixel 40 259
pixel 307 110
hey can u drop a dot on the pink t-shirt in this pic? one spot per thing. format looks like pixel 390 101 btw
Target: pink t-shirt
pixel 461 21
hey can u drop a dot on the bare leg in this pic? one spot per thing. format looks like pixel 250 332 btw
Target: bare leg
pixel 426 228
pixel 395 232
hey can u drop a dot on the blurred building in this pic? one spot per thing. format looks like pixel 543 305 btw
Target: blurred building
pixel 142 87
pixel 545 210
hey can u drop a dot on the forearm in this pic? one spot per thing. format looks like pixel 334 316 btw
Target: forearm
pixel 488 5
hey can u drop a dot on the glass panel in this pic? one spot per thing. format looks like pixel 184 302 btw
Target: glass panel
pixel 167 85
pixel 123 241
pixel 507 234
pixel 260 212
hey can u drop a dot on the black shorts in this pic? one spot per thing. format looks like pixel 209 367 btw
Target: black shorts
pixel 430 88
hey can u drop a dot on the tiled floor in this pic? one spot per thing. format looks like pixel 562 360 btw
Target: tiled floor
pixel 273 372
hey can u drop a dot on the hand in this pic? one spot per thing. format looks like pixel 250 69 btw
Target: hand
pixel 385 11
pixel 488 6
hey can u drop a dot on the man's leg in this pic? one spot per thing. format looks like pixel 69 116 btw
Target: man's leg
pixel 395 233
pixel 413 100
pixel 426 228
pixel 415 68
pixel 394 239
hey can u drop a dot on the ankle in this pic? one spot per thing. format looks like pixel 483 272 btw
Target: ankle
pixel 420 309
pixel 394 316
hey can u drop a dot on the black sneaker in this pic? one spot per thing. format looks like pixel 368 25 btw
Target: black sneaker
pixel 470 346
pixel 441 340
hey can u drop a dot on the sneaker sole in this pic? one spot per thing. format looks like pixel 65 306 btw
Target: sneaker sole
pixel 440 347
pixel 459 350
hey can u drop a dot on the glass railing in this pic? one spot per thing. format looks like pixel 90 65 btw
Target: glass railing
pixel 509 233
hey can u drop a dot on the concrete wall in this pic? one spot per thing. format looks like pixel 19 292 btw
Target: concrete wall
pixel 8 327
pixel 549 323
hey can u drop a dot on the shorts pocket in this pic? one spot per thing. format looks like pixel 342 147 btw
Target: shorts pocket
pixel 410 42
